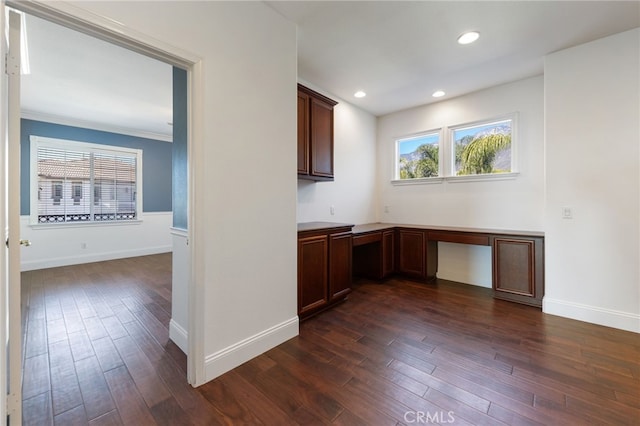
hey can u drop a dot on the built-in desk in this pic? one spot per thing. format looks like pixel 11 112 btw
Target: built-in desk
pixel 380 250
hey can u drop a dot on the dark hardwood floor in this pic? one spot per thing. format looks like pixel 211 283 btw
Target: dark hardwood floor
pixel 96 351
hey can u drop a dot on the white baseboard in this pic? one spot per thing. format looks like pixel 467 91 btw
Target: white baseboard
pixel 179 336
pixel 593 314
pixel 55 262
pixel 232 356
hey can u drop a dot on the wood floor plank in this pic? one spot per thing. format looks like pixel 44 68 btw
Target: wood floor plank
pixel 94 328
pixel 52 305
pixel 196 407
pixel 169 413
pixel 80 345
pixel 150 386
pixel 510 417
pixel 123 313
pixel 131 406
pixel 114 327
pixel 455 409
pixel 112 418
pixel 56 330
pixel 35 376
pixel 234 410
pixel 107 354
pixel 74 417
pixel 65 390
pixel 260 405
pixel 277 385
pixel 37 411
pixel 36 337
pixel 95 392
pixel 347 418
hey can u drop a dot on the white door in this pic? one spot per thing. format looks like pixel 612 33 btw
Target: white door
pixel 11 328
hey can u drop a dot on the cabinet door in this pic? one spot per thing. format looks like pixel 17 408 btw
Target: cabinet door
pixel 411 253
pixel 321 139
pixel 340 250
pixel 303 133
pixel 388 254
pixel 312 273
pixel 517 269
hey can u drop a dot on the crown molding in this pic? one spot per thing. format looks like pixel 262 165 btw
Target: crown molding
pixel 67 121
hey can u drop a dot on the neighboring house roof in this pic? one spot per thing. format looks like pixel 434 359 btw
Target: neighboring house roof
pixel 104 169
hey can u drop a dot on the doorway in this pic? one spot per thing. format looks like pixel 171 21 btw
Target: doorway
pixel 134 44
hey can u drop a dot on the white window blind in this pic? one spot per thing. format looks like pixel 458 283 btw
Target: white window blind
pixel 80 182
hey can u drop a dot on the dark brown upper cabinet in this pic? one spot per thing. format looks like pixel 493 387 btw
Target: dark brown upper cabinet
pixel 315 135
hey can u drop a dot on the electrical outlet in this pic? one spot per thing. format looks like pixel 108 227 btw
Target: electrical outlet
pixel 567 213
pixel 83 245
pixel 332 210
pixel 386 209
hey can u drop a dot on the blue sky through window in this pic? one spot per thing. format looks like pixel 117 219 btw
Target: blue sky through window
pixel 406 146
pixel 460 133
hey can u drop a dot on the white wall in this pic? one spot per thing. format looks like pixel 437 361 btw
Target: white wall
pixel 592 97
pixel 180 276
pixel 505 204
pixel 244 154
pixel 74 244
pixel 353 191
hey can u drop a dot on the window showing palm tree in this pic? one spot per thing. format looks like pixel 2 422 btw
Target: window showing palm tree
pixel 418 157
pixel 483 149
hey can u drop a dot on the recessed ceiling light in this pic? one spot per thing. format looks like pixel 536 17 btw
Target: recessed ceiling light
pixel 359 94
pixel 438 94
pixel 469 37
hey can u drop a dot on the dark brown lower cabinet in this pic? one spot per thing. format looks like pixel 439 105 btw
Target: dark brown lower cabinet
pixel 388 253
pixel 312 273
pixel 518 269
pixel 324 268
pixel 416 255
pixel 339 266
pixel 412 251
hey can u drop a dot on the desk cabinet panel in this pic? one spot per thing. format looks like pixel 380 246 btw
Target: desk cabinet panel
pixel 388 253
pixel 313 256
pixel 412 253
pixel 518 272
pixel 340 265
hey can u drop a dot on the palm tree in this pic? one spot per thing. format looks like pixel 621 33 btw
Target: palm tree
pixel 407 169
pixel 427 165
pixel 478 156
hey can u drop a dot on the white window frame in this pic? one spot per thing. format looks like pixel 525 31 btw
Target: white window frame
pixel 40 141
pixel 396 156
pixel 446 160
pixel 513 117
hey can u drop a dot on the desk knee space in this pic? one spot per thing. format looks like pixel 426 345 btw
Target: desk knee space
pixel 380 251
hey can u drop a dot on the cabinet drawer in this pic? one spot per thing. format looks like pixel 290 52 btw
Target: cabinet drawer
pixel 359 240
pixel 460 238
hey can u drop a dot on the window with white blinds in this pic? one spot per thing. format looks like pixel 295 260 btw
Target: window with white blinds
pixel 74 182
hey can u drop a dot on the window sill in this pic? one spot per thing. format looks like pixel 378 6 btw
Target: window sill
pixel 66 225
pixel 481 178
pixel 456 179
pixel 418 181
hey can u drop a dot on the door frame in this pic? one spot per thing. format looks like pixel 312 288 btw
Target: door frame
pixel 12 354
pixel 119 34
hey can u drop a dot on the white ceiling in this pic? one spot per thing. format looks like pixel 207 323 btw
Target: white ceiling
pixel 80 80
pixel 398 52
